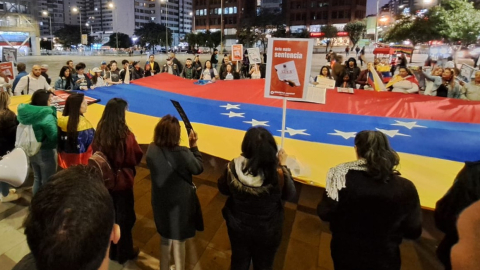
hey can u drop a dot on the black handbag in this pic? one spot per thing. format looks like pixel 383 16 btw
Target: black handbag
pixel 198 216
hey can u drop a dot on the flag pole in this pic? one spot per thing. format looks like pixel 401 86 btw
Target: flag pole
pixel 284 120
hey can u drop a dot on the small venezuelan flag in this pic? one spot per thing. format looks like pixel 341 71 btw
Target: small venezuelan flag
pixel 375 81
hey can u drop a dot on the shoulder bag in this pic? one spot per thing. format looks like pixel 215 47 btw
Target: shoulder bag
pixel 198 217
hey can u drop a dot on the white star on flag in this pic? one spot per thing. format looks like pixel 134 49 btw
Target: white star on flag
pixel 230 106
pixel 233 114
pixel 255 123
pixel 392 133
pixel 345 135
pixel 293 132
pixel 408 125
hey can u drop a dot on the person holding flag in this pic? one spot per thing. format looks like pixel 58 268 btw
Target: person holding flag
pixel 403 82
pixel 370 79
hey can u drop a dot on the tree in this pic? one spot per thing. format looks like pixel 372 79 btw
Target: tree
pixel 192 40
pixel 69 35
pixel 201 39
pixel 355 31
pixel 457 21
pixel 152 34
pixel 216 38
pixel 416 29
pixel 330 31
pixel 281 31
pixel 246 35
pixel 124 41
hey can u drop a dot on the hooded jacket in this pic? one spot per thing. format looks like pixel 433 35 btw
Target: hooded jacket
pixel 252 206
pixel 44 122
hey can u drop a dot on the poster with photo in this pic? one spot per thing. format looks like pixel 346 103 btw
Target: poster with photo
pixel 288 71
pixel 237 52
pixel 8 70
pixel 466 73
pixel 254 55
pixel 9 55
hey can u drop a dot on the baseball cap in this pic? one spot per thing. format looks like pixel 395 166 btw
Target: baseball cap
pixel 96 69
pixel 103 63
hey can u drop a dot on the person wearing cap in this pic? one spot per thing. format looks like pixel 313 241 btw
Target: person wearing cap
pixel 97 78
pixel 32 82
pixel 171 68
pixel 154 66
pixel 44 69
pixel 176 62
pixel 137 71
pixel 103 68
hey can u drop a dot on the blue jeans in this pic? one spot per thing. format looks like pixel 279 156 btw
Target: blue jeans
pixel 44 165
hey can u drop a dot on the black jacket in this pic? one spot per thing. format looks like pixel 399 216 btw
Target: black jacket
pixel 156 67
pixel 250 209
pixel 179 65
pixel 8 131
pixel 464 191
pixel 49 80
pixel 369 221
pixel 189 73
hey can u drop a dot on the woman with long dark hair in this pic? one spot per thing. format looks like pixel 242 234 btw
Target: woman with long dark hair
pixel 209 72
pixel 174 201
pixel 256 182
pixel 43 119
pixel 115 140
pixel 370 207
pixel 75 133
pixel 65 80
pixel 8 131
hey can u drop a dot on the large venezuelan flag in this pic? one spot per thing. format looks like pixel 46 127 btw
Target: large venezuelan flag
pixel 433 136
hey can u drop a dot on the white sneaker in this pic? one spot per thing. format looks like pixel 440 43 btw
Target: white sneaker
pixel 12 196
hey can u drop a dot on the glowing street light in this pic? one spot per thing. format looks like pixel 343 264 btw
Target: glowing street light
pixel 77 10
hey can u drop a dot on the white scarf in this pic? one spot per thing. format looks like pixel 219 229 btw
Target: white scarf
pixel 336 176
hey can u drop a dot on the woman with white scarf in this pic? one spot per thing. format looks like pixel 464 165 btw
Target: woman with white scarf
pixel 370 207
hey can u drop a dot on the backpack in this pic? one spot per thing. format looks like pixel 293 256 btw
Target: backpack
pixel 26 140
pixel 100 161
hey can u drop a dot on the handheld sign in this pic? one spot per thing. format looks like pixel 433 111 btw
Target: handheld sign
pixel 183 115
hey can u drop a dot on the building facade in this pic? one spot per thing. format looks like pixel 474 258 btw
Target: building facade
pixel 102 17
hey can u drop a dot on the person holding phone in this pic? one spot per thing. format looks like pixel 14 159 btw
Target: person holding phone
pixel 176 208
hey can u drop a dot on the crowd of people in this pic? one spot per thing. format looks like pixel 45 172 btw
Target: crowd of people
pixel 441 81
pixel 370 207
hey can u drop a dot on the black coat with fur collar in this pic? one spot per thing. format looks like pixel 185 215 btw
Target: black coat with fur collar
pixel 253 208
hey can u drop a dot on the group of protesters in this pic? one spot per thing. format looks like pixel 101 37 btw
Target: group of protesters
pixel 441 81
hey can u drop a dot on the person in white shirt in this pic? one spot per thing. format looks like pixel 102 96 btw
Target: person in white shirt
pixel 450 63
pixel 97 78
pixel 209 73
pixel 32 82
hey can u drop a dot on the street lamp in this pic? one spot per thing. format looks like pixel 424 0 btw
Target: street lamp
pixel 114 10
pixel 45 13
pixel 75 10
pixel 376 22
pixel 166 24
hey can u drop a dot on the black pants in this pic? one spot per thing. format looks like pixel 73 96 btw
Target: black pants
pixel 259 248
pixel 125 218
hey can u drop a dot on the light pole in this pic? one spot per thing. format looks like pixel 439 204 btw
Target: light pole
pixel 75 10
pixel 166 24
pixel 114 9
pixel 45 13
pixel 376 22
pixel 193 21
pixel 221 25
